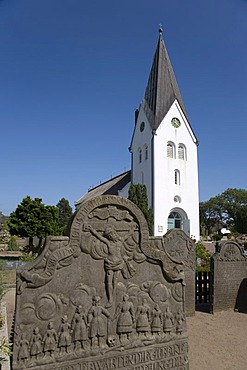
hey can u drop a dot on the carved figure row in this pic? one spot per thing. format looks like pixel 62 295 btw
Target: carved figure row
pixel 89 330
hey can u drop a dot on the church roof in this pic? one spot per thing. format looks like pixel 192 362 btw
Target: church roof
pixel 111 186
pixel 162 88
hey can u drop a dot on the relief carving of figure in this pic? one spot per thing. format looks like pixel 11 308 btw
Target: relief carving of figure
pixel 97 327
pixel 157 320
pixel 168 321
pixel 126 318
pixel 23 353
pixel 50 340
pixel 116 258
pixel 79 328
pixel 36 344
pixel 64 337
pixel 180 318
pixel 143 318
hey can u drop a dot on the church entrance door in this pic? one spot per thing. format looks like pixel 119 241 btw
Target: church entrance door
pixel 178 219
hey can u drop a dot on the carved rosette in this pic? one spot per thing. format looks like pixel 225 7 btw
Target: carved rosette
pixel 180 248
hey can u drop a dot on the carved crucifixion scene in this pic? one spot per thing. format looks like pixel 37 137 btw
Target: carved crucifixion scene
pixel 107 290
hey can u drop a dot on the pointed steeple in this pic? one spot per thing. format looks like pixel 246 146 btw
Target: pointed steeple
pixel 162 88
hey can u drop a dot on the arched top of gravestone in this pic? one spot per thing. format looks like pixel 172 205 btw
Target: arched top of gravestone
pixel 108 211
pixel 180 247
pixel 110 216
pixel 229 251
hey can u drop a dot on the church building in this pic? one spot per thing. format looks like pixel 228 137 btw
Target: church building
pixel 163 153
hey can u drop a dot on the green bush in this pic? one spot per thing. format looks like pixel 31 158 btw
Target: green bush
pixel 27 257
pixel 12 244
pixel 202 257
pixel 5 349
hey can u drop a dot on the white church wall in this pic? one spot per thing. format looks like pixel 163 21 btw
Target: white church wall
pixel 165 188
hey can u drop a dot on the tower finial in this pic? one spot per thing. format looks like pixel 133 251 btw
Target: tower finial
pixel 160 29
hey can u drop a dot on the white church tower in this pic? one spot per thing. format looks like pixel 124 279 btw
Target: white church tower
pixel 164 151
pixel 163 154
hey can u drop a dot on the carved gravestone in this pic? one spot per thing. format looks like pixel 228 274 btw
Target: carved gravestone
pixel 228 278
pixel 109 297
pixel 181 248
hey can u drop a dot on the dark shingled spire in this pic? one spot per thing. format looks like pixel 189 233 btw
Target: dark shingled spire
pixel 162 88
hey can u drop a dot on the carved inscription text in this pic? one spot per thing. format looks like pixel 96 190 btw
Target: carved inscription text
pixel 172 356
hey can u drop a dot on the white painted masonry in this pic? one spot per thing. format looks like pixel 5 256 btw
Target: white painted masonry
pixel 158 170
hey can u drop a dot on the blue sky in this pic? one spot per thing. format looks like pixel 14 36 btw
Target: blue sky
pixel 73 72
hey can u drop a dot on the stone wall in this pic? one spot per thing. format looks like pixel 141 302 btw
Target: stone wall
pixel 228 278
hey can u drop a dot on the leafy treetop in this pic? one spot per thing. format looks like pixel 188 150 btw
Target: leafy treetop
pixel 226 209
pixel 32 218
pixel 64 214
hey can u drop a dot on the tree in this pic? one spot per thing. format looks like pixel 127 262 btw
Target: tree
pixel 138 195
pixel 32 218
pixel 228 208
pixel 210 217
pixel 233 203
pixel 64 214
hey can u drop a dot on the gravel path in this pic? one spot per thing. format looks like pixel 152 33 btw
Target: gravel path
pixel 218 342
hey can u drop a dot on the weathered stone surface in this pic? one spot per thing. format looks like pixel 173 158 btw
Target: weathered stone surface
pixel 181 248
pixel 107 298
pixel 228 278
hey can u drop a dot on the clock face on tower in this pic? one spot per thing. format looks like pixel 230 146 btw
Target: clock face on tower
pixel 175 122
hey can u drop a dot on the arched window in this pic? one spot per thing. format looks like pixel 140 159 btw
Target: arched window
pixel 140 155
pixel 170 150
pixel 177 177
pixel 181 152
pixel 145 148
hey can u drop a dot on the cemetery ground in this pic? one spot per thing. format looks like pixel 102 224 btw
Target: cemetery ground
pixel 216 342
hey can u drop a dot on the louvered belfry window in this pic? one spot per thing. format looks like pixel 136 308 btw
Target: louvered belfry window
pixel 181 152
pixel 170 150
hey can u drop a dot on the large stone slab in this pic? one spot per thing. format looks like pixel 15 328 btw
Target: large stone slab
pixel 107 298
pixel 228 278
